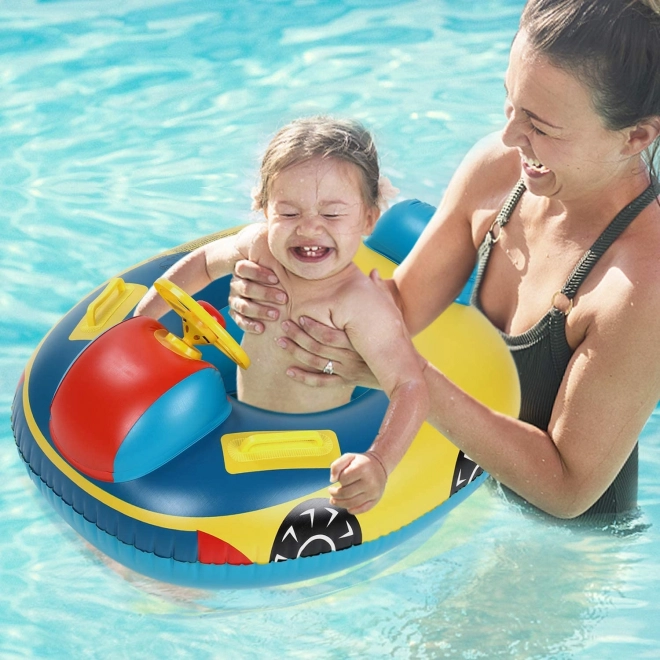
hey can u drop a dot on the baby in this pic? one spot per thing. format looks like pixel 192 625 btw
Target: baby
pixel 319 191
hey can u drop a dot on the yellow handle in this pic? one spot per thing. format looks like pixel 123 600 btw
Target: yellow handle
pixel 284 439
pixel 101 309
pixel 257 451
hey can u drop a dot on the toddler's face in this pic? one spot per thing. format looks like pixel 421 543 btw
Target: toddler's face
pixel 317 216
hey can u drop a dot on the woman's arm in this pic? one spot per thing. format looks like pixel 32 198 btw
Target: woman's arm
pixel 610 388
pixel 442 259
pixel 606 396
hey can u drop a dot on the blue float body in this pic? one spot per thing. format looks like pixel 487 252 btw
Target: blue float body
pixel 171 555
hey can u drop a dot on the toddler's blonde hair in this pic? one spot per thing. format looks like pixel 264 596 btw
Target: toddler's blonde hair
pixel 323 137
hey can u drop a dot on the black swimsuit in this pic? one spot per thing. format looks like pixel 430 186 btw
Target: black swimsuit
pixel 542 353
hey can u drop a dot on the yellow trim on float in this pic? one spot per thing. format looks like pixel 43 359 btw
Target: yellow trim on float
pixel 461 342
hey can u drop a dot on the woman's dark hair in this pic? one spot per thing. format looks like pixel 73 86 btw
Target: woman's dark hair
pixel 611 46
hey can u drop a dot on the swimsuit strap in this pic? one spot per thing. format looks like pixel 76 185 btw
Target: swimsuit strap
pixel 609 235
pixel 483 253
pixel 512 200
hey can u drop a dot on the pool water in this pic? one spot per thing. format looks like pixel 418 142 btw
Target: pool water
pixel 131 126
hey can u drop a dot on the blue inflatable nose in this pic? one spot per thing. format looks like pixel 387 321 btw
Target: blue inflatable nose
pixel 175 421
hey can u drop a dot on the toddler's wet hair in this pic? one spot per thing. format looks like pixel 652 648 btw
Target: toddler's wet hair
pixel 324 137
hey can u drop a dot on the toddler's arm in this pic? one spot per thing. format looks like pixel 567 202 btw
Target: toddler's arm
pixel 376 330
pixel 199 268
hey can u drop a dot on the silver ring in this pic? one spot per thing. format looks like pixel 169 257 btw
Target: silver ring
pixel 328 368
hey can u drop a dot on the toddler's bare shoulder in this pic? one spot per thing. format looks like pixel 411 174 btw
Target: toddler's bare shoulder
pixel 361 298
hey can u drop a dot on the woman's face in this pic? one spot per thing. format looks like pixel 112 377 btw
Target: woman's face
pixel 566 152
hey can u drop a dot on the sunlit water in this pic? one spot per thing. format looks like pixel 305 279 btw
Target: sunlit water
pixel 128 127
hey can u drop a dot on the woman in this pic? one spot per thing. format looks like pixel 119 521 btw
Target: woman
pixel 561 211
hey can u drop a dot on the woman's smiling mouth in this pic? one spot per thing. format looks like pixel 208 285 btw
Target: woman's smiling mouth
pixel 533 166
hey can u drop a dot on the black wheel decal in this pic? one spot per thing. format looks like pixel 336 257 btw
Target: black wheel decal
pixel 314 527
pixel 466 470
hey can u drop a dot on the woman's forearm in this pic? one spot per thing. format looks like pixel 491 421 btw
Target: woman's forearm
pixel 519 455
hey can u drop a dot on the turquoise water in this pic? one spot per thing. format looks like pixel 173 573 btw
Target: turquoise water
pixel 132 126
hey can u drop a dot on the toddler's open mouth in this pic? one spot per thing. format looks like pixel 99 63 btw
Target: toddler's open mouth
pixel 310 252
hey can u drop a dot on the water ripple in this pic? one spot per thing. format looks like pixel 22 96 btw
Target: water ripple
pixel 131 126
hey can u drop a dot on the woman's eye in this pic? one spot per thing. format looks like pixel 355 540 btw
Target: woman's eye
pixel 331 216
pixel 534 127
pixel 537 130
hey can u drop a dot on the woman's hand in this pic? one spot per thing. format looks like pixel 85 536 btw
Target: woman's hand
pixel 313 345
pixel 310 343
pixel 252 291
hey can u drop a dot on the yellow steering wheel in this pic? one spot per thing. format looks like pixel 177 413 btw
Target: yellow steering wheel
pixel 199 327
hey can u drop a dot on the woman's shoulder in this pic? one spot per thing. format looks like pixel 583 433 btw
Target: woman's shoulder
pixel 638 249
pixel 490 166
pixel 628 281
pixel 482 183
